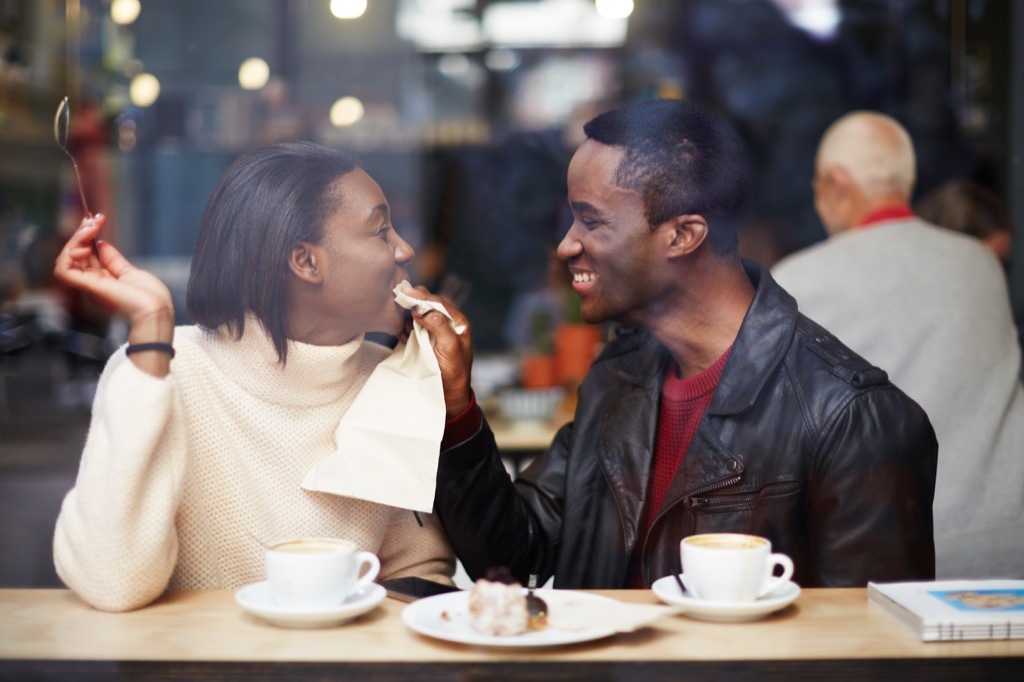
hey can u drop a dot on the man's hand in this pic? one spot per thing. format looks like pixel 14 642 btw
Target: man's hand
pixel 454 351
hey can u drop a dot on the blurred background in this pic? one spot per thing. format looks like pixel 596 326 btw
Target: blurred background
pixel 466 112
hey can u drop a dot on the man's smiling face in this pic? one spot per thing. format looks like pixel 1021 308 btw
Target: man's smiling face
pixel 610 248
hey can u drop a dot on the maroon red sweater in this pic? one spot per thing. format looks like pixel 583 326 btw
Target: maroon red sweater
pixel 683 403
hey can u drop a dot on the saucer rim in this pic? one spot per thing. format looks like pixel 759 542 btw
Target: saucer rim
pixel 367 598
pixel 762 605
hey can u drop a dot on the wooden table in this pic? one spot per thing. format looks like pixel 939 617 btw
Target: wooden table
pixel 826 634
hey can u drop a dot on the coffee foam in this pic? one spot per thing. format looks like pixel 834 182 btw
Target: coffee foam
pixel 311 546
pixel 725 541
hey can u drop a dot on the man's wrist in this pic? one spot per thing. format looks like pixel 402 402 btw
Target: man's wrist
pixel 463 425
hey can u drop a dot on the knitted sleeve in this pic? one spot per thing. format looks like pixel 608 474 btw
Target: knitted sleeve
pixel 115 543
pixel 409 549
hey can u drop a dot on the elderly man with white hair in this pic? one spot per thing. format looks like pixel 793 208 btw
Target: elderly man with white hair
pixel 931 308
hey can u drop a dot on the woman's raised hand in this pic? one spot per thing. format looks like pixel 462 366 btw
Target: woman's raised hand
pixel 106 276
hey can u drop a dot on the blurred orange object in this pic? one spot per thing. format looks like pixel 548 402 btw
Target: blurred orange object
pixel 538 371
pixel 576 346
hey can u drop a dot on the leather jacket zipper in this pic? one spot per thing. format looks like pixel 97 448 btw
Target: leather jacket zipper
pixel 690 501
pixel 770 491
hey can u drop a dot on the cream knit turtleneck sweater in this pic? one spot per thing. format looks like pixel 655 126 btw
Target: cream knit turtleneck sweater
pixel 184 478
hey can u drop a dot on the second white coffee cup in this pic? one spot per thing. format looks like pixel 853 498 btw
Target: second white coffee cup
pixel 318 572
pixel 731 566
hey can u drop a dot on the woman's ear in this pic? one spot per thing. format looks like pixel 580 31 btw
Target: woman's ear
pixel 686 233
pixel 302 261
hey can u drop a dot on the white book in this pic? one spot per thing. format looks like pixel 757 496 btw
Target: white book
pixel 954 609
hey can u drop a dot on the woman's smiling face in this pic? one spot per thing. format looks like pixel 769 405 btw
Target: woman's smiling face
pixel 361 259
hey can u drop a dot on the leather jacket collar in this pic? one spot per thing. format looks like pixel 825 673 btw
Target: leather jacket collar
pixel 760 346
pixel 757 351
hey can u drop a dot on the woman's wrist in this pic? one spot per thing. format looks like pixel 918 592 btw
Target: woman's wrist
pixel 155 327
pixel 150 347
pixel 151 342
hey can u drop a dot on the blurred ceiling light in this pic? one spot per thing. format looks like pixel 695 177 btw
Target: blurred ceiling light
pixel 453 65
pixel 144 89
pixel 501 60
pixel 562 23
pixel 452 25
pixel 346 111
pixel 439 25
pixel 348 9
pixel 820 18
pixel 614 9
pixel 561 89
pixel 253 74
pixel 124 12
pixel 461 69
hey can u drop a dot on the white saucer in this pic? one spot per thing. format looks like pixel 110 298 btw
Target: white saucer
pixel 258 600
pixel 668 591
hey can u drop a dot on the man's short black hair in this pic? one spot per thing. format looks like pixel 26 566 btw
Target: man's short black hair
pixel 266 201
pixel 682 159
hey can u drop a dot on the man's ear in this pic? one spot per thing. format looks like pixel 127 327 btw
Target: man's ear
pixel 302 261
pixel 686 233
pixel 840 181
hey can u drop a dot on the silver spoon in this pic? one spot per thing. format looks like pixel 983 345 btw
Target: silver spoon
pixel 536 608
pixel 61 123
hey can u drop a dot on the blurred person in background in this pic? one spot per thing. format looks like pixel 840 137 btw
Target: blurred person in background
pixel 201 435
pixel 971 209
pixel 931 308
pixel 718 407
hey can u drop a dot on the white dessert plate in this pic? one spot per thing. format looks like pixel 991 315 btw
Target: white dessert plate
pixel 668 591
pixel 446 617
pixel 258 600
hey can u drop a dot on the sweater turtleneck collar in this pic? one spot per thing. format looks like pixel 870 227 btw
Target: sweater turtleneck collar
pixel 311 375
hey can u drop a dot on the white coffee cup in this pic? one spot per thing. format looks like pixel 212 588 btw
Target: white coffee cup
pixel 731 566
pixel 318 572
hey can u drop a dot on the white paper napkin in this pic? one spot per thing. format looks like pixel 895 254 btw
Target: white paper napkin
pixel 390 455
pixel 422 307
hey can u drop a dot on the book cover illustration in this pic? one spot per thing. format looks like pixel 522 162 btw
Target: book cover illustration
pixel 982 601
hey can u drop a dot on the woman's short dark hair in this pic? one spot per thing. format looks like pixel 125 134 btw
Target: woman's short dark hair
pixel 682 159
pixel 265 202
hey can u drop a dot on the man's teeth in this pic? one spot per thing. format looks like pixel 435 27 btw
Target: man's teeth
pixel 581 277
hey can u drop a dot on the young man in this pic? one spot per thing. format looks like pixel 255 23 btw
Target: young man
pixel 717 408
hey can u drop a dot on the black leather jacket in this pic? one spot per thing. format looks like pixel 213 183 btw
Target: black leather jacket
pixel 804 443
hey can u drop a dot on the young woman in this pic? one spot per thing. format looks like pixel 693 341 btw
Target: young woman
pixel 201 435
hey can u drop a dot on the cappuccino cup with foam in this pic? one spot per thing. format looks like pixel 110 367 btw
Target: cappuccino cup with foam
pixel 318 572
pixel 731 567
